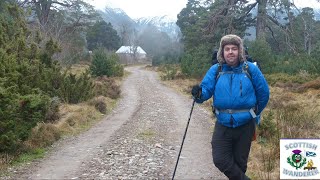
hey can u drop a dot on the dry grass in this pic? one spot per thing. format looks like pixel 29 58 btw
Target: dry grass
pixel 5 159
pixel 74 119
pixel 284 78
pixel 295 115
pixel 80 117
pixel 294 83
pixel 108 87
pixel 263 162
pixel 184 86
pixel 315 84
pixel 42 136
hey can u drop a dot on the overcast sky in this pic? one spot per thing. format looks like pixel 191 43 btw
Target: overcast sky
pixel 147 8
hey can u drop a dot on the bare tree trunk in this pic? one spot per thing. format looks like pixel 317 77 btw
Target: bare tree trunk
pixel 43 10
pixel 307 38
pixel 309 46
pixel 125 34
pixel 261 19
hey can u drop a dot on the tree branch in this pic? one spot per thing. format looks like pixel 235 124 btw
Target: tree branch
pixel 275 22
pixel 275 39
pixel 251 7
pixel 220 13
pixel 223 12
pixel 61 4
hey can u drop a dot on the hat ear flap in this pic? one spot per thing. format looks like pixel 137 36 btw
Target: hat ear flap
pixel 220 56
pixel 242 56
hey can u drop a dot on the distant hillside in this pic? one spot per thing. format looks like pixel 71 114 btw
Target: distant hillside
pixel 119 19
pixel 163 24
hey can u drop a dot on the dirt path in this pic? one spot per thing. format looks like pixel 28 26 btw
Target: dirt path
pixel 139 139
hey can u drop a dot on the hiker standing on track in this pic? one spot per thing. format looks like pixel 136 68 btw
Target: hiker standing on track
pixel 240 93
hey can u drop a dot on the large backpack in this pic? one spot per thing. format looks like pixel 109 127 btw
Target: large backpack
pixel 214 59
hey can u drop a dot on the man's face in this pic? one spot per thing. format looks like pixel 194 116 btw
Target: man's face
pixel 231 54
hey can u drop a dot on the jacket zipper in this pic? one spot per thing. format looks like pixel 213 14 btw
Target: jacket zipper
pixel 240 88
pixel 231 84
pixel 231 118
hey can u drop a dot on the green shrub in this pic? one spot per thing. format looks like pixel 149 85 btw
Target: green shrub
pixel 9 141
pixel 50 49
pixel 118 70
pixel 260 51
pixel 169 71
pixel 294 64
pixel 299 78
pixel 28 78
pixel 32 109
pixel 24 113
pixel 267 128
pixel 166 58
pixel 289 64
pixel 196 63
pixel 75 89
pixel 53 110
pixel 105 64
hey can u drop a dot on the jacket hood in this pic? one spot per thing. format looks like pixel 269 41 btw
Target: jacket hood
pixel 234 40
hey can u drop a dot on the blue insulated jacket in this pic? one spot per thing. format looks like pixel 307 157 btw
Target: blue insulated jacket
pixel 235 91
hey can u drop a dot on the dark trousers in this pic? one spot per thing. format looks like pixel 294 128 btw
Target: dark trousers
pixel 230 149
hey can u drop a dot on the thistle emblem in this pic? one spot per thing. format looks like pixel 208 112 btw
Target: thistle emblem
pixel 296 160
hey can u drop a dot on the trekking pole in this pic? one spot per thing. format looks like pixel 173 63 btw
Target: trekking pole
pixel 184 136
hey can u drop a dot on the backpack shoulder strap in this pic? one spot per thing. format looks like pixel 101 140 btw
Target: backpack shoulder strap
pixel 245 69
pixel 219 71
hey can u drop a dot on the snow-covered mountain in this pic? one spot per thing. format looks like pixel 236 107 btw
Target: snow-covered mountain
pixel 163 24
pixel 119 19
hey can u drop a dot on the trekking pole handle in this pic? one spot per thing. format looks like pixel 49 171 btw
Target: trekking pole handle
pixel 184 136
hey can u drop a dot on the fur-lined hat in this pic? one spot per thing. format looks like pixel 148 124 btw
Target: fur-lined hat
pixel 234 40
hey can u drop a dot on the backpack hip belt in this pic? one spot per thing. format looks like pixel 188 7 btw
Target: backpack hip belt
pixel 232 111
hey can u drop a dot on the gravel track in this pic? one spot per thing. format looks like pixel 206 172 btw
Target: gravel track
pixel 140 139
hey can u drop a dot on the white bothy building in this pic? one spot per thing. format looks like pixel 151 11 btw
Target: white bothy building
pixel 131 55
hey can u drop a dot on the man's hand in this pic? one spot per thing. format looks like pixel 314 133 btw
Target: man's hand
pixel 196 91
